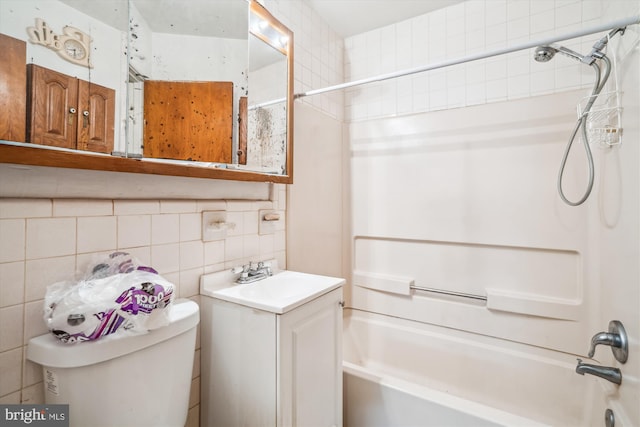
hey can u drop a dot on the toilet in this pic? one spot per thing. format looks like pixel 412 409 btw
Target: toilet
pixel 118 381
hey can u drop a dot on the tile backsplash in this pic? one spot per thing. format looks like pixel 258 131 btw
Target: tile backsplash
pixel 43 241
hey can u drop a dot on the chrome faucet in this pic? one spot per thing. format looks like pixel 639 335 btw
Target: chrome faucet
pixel 608 373
pixel 249 274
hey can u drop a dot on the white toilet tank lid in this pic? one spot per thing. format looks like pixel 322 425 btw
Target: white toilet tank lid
pixel 47 350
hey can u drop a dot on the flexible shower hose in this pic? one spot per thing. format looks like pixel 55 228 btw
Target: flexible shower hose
pixel 582 124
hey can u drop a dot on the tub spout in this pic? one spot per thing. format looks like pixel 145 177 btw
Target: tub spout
pixel 608 373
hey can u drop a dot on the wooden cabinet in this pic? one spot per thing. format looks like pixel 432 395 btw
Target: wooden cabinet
pixel 266 369
pixel 188 120
pixel 13 89
pixel 67 112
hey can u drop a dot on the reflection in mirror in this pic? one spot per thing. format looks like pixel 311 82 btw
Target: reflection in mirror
pixel 74 73
pixel 188 62
pixel 269 102
pixel 165 43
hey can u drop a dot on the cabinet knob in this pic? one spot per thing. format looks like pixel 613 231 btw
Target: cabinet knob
pixel 72 110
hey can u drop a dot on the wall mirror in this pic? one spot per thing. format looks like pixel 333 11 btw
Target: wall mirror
pixel 196 88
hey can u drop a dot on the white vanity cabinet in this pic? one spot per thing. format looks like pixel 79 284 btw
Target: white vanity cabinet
pixel 276 365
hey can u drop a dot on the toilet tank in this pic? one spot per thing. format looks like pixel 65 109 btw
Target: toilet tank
pixel 130 380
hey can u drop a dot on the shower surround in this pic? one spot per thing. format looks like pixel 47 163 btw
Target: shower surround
pixel 453 186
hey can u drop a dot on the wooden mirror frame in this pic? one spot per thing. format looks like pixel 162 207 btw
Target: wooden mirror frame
pixel 37 155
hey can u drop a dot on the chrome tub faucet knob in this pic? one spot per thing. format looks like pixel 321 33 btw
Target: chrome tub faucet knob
pixel 616 338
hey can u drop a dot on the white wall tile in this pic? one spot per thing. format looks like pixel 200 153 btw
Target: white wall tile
pixel 542 22
pixel 456 96
pixel 568 77
pixel 210 205
pixel 233 249
pixel 11 283
pixel 496 36
pixel 235 220
pixel 496 12
pixel 191 255
pixel 591 9
pixel 134 230
pixel 251 246
pixel 214 252
pixel 165 228
pixel 537 6
pixel 190 226
pixel 11 337
pixel 133 207
pixel 33 395
pixel 568 14
pixel 166 258
pixel 84 207
pixel 11 398
pixel 12 240
pixel 25 208
pixel 266 245
pixel 496 68
pixel 497 90
pixel 250 221
pixel 517 9
pixel 50 237
pixel 41 273
pixel 96 234
pixel 174 279
pixel 177 206
pixel 190 282
pixel 518 64
pixel 518 86
pixel 31 372
pixel 34 324
pixel 517 29
pixel 476 94
pixel 10 371
pixel 543 82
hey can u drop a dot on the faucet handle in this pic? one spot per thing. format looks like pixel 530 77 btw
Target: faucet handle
pixel 616 338
pixel 244 270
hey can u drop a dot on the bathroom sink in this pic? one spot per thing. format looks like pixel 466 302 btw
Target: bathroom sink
pixel 279 293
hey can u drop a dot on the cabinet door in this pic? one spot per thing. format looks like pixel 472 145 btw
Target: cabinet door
pixel 52 107
pixel 13 87
pixel 188 120
pixel 95 117
pixel 310 364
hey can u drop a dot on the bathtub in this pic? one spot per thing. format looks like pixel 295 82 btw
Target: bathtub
pixel 403 373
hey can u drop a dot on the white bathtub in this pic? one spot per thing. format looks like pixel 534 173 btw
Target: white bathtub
pixel 399 373
pixel 372 400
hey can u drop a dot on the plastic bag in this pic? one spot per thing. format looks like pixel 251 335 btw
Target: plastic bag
pixel 116 294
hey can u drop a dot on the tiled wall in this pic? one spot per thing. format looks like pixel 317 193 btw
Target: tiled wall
pixel 467 28
pixel 318 54
pixel 43 241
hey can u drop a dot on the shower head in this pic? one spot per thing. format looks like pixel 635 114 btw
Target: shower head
pixel 545 53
